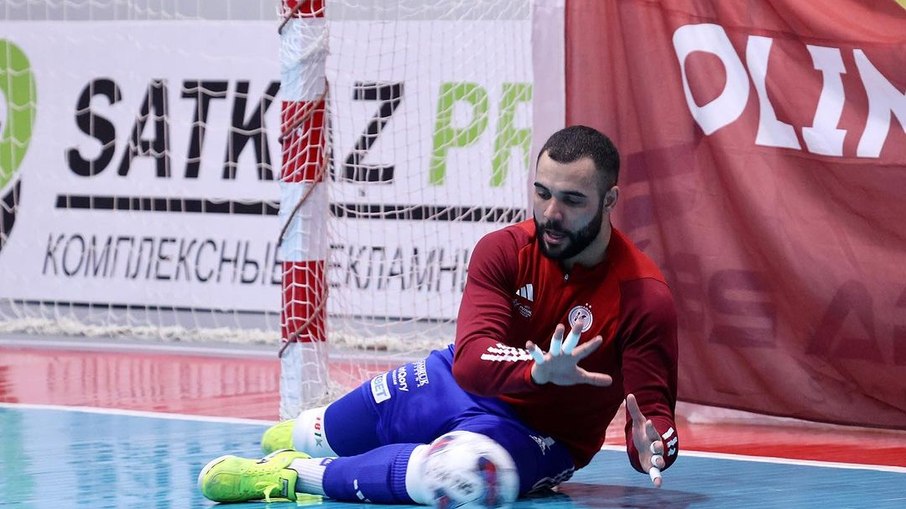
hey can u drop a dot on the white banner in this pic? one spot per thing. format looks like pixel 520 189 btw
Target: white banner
pixel 149 177
pixel 150 174
pixel 431 123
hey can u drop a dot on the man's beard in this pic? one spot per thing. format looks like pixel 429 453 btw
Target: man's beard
pixel 578 240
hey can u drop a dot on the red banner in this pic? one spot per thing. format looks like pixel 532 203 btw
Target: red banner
pixel 764 168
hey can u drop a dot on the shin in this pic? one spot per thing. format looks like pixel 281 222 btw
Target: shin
pixel 309 435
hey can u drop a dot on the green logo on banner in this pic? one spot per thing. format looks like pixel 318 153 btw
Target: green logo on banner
pixel 17 85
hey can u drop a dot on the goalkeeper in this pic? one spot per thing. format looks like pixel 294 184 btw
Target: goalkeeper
pixel 562 319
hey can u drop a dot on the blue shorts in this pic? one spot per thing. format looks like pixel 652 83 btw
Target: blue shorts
pixel 420 401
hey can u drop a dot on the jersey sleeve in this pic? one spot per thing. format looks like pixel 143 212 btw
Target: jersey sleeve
pixel 650 355
pixel 483 364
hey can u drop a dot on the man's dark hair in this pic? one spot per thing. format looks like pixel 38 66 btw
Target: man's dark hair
pixel 575 142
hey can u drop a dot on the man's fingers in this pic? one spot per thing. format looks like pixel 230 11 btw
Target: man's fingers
pixel 535 352
pixel 657 458
pixel 655 445
pixel 599 379
pixel 655 474
pixel 573 338
pixel 562 358
pixel 634 411
pixel 571 341
pixel 587 348
pixel 651 432
pixel 557 340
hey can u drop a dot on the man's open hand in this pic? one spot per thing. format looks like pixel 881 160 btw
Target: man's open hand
pixel 647 441
pixel 560 365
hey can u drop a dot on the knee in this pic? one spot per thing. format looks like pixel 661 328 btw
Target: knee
pixel 415 477
pixel 462 468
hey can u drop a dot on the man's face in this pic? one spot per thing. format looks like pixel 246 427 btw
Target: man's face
pixel 567 207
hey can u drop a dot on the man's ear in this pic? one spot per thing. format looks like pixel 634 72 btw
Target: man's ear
pixel 610 198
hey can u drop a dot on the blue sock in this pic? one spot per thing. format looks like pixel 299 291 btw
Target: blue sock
pixel 376 476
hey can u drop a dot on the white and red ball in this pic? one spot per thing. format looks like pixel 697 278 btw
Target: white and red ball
pixel 469 470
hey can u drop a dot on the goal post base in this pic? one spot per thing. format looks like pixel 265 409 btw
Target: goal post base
pixel 303 380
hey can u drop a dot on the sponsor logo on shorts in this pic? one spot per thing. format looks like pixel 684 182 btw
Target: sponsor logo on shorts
pixel 546 483
pixel 421 374
pixel 544 443
pixel 379 389
pixel 400 380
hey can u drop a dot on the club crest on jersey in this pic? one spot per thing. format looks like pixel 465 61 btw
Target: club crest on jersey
pixel 581 313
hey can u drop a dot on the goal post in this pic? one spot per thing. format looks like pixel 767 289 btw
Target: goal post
pixel 303 206
pixel 428 136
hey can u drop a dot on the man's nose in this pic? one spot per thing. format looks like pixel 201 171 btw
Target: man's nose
pixel 553 212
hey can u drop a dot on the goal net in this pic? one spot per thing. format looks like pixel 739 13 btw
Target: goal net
pixel 428 132
pixel 179 171
pixel 137 169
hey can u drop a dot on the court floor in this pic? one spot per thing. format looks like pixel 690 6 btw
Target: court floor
pixel 110 426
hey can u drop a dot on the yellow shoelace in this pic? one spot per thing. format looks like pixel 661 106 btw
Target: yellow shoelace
pixel 301 498
pixel 268 488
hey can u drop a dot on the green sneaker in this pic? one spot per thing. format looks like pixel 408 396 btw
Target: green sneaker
pixel 235 479
pixel 279 436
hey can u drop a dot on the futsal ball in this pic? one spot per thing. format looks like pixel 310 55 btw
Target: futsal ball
pixel 469 470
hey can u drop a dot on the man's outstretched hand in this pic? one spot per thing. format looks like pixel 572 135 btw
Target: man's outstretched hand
pixel 647 441
pixel 560 365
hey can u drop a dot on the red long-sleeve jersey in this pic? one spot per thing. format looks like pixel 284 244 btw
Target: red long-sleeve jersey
pixel 514 294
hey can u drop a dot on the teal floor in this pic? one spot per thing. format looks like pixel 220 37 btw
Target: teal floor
pixel 66 458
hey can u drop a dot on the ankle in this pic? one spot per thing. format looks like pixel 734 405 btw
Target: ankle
pixel 310 478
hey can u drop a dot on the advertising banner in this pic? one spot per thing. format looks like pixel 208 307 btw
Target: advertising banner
pixel 764 151
pixel 144 159
pixel 141 159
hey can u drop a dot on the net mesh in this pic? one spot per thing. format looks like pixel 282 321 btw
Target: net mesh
pixel 430 116
pixel 89 78
pixel 340 213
